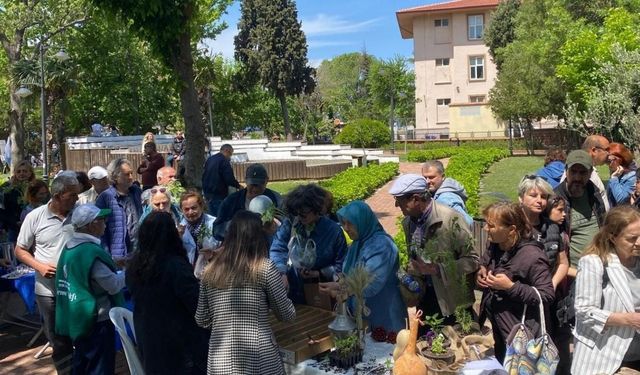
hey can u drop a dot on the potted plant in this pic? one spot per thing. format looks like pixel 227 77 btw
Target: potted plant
pixel 434 322
pixel 347 352
pixel 438 352
pixel 465 325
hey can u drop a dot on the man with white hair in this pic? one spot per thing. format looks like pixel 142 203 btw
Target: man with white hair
pixel 98 177
pixel 42 236
pixel 87 288
pixel 166 175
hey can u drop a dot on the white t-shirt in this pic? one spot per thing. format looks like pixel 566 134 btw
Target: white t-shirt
pixel 48 233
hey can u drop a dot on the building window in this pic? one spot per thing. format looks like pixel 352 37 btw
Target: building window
pixel 443 102
pixel 475 25
pixel 476 68
pixel 442 62
pixel 477 99
pixel 442 22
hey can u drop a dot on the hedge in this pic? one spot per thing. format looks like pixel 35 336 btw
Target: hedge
pixel 358 183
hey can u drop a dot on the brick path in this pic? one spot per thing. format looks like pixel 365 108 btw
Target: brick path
pixel 383 204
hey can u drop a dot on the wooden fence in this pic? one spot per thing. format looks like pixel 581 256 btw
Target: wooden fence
pixel 278 170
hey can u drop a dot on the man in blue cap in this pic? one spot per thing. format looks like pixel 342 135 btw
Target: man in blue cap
pixel 440 247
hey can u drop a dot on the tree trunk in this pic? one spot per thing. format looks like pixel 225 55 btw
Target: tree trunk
pixel 16 127
pixel 194 133
pixel 285 116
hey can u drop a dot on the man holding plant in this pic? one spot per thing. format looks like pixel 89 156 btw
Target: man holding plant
pixel 440 247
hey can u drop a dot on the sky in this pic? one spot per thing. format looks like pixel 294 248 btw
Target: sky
pixel 334 27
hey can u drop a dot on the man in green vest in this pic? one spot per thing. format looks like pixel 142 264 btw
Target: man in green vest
pixel 88 286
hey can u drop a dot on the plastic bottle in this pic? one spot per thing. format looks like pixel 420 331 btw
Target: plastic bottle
pixel 409 282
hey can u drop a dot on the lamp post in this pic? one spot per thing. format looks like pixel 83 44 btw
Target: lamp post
pixel 23 92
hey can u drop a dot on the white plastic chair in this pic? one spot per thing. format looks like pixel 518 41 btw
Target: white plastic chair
pixel 119 316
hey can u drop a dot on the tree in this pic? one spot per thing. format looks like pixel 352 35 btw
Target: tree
pixel 273 50
pixel 613 108
pixel 24 26
pixel 501 30
pixel 172 28
pixel 364 133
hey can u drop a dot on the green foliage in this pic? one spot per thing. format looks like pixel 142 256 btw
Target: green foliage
pixel 437 345
pixel 358 183
pixel 421 156
pixel 356 281
pixel 464 318
pixel 364 133
pixel 612 108
pixel 435 322
pixel 391 84
pixel 346 345
pixel 501 30
pixel 273 50
pixel 401 243
pixel 531 90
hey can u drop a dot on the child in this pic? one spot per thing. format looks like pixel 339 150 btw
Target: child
pixel 556 241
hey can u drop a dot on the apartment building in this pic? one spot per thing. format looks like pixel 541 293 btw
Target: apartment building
pixel 453 69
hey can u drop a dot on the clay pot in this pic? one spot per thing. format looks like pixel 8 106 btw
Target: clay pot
pixel 449 357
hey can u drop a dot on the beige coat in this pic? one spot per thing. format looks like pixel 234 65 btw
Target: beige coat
pixel 447 236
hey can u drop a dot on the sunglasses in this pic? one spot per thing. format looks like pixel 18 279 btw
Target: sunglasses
pixel 158 190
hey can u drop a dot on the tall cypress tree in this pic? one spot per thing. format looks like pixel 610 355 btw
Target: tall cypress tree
pixel 273 50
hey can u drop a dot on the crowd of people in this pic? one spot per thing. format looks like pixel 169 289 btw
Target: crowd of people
pixel 203 270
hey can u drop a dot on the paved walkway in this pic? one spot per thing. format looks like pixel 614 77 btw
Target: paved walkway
pixel 383 204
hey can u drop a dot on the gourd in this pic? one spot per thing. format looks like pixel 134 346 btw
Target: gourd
pixel 401 343
pixel 409 363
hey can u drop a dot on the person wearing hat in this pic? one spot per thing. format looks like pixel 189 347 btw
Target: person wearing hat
pixel 218 177
pixel 586 208
pixel 256 179
pixel 98 177
pixel 429 228
pixel 88 286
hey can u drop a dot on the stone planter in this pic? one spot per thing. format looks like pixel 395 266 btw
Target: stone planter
pixel 449 357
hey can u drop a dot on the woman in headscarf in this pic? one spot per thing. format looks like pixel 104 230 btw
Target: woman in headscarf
pixel 373 248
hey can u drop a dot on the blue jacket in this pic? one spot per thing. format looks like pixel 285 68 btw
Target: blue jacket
pixel 619 189
pixel 375 249
pixel 217 177
pixel 451 193
pixel 331 248
pixel 552 173
pixel 116 239
pixel 234 203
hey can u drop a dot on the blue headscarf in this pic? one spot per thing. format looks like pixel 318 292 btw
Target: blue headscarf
pixel 366 223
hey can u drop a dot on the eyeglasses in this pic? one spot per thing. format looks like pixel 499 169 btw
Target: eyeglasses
pixel 529 177
pixel 158 190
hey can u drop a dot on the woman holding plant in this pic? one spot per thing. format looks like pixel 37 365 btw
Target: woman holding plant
pixel 373 248
pixel 196 230
pixel 512 264
pixel 314 243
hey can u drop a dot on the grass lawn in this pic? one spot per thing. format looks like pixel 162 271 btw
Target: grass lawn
pixel 283 187
pixel 503 177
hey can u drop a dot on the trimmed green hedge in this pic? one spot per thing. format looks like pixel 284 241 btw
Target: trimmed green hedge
pixel 358 183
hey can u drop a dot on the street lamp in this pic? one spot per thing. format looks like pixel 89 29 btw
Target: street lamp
pixel 23 92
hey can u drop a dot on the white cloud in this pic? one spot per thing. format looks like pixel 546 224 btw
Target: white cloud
pixel 328 43
pixel 324 24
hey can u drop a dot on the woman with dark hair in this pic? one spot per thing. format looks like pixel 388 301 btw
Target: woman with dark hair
pixel 238 289
pixel 36 195
pixel 512 264
pixel 12 198
pixel 165 295
pixel 314 243
pixel 623 178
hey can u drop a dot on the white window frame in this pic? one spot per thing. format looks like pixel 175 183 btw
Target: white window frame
pixel 477 98
pixel 473 68
pixel 441 22
pixel 443 61
pixel 444 102
pixel 475 30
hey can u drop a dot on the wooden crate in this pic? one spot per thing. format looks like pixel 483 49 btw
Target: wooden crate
pixel 294 338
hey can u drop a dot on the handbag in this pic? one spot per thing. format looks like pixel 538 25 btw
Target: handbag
pixel 528 355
